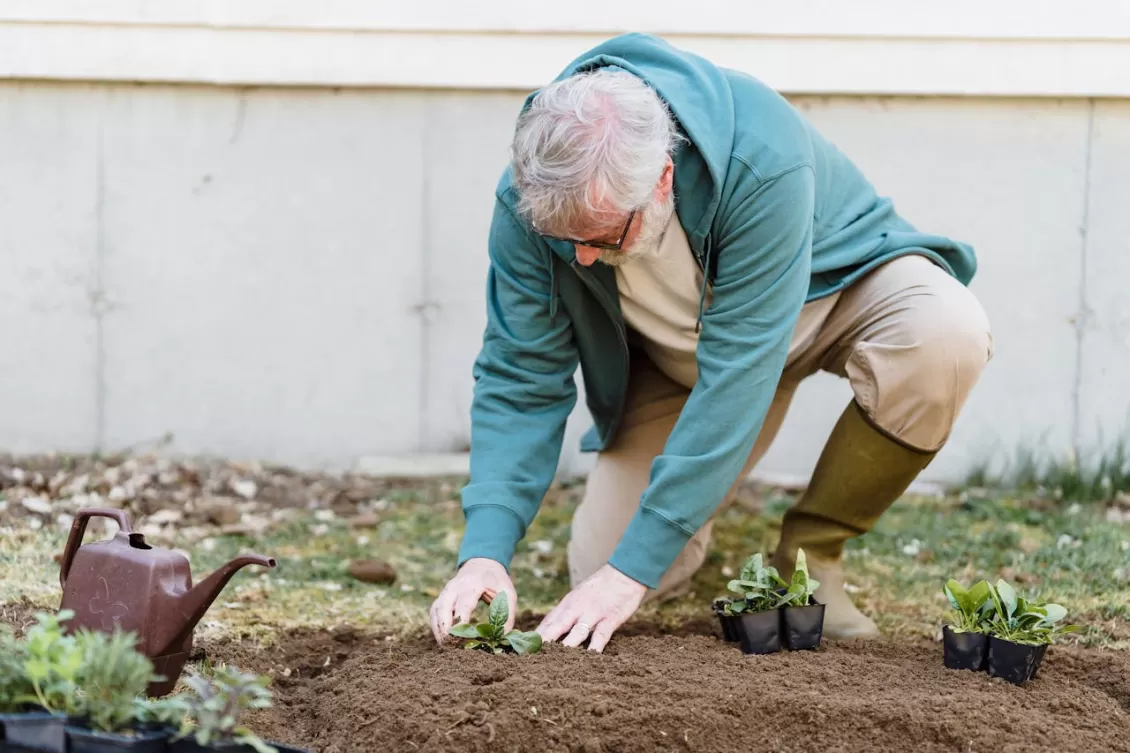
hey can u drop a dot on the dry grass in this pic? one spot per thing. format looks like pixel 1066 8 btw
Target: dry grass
pixel 1073 554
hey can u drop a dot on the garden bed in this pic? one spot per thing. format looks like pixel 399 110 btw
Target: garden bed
pixel 345 691
pixel 666 681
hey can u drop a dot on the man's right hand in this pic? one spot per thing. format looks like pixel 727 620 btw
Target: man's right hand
pixel 478 578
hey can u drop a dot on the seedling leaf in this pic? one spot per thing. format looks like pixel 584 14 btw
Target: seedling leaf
pixel 524 643
pixel 499 610
pixel 488 631
pixel 466 630
pixel 1054 613
pixel 957 595
pixel 1008 597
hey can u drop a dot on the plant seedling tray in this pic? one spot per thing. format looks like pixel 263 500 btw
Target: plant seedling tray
pixel 804 626
pixel 1014 662
pixel 82 740
pixel 191 746
pixel 760 632
pixel 964 650
pixel 38 731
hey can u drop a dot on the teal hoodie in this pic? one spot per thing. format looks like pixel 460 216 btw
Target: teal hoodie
pixel 775 215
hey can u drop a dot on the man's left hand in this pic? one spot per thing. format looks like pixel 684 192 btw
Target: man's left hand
pixel 599 605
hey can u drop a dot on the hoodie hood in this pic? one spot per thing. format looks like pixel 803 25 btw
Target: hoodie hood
pixel 699 97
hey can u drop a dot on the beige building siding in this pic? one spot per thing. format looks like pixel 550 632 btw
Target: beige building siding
pixel 259 226
pixel 296 275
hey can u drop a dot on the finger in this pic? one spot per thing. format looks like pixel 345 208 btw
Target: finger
pixel 578 634
pixel 559 621
pixel 465 603
pixel 601 634
pixel 439 607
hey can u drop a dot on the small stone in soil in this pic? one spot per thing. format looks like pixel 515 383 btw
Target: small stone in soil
pixel 221 512
pixel 364 520
pixel 37 505
pixel 372 571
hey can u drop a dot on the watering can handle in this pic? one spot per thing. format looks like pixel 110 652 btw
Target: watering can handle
pixel 78 530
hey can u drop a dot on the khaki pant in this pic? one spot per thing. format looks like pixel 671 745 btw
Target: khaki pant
pixel 911 340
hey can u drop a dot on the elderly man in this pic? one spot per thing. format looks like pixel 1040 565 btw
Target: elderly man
pixel 680 232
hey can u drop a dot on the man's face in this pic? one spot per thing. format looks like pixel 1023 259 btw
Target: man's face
pixel 641 230
pixel 641 238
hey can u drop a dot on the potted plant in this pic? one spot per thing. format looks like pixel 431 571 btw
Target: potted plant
pixel 108 710
pixel 802 615
pixel 1020 632
pixel 213 714
pixel 966 638
pixel 753 615
pixel 492 636
pixel 36 678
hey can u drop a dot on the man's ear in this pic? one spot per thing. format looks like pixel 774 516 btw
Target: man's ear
pixel 666 180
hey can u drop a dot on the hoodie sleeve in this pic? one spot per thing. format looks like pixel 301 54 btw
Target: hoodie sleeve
pixel 764 263
pixel 524 392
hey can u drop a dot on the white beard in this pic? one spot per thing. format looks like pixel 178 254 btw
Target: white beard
pixel 655 218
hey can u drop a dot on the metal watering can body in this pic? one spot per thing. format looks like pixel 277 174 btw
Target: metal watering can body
pixel 125 582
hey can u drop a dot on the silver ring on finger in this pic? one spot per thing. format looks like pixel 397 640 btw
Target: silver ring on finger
pixel 584 626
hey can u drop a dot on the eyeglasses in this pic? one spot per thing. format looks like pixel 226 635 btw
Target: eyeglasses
pixel 598 244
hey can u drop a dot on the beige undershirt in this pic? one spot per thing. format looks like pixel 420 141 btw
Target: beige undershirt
pixel 659 298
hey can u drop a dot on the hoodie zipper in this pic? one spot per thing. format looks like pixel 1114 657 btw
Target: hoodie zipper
pixel 702 262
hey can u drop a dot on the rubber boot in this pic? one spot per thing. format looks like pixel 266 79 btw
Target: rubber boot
pixel 860 474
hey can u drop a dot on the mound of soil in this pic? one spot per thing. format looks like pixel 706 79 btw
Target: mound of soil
pixel 681 691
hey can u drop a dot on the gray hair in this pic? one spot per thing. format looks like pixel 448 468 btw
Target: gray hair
pixel 595 139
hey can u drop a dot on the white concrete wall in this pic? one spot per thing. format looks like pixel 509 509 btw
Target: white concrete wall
pixel 296 275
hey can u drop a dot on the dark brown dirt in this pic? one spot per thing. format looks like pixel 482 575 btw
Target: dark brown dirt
pixel 681 689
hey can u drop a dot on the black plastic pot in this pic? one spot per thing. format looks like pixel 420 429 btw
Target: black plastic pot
pixel 1015 662
pixel 761 632
pixel 731 628
pixel 964 650
pixel 190 745
pixel 804 626
pixel 34 730
pixel 85 740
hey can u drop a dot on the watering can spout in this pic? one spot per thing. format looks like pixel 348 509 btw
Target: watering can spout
pixel 190 607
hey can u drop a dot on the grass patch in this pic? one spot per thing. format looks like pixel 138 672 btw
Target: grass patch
pixel 895 572
pixel 1103 476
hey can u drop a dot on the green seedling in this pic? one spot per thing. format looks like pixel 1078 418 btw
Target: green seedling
pixel 973 606
pixel 755 586
pixel 1021 621
pixel 15 687
pixel 801 587
pixel 111 681
pixel 52 661
pixel 492 636
pixel 170 711
pixel 213 708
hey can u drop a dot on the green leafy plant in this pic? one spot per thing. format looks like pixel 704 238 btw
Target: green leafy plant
pixel 1021 621
pixel 52 661
pixel 15 687
pixel 213 708
pixel 801 587
pixel 972 606
pixel 492 636
pixel 169 711
pixel 110 682
pixel 754 586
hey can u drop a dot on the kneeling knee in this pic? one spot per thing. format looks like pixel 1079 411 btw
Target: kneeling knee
pixel 951 359
pixel 917 391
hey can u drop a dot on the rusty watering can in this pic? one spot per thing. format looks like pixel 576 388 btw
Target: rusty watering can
pixel 144 589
